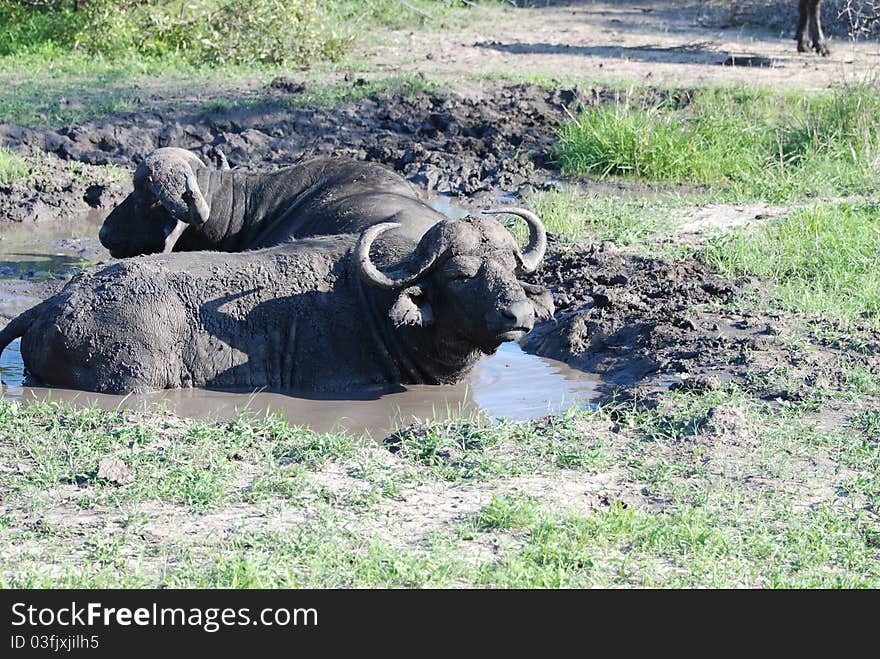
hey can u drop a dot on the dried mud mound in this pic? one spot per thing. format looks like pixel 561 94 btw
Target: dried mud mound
pixel 58 190
pixel 644 323
pixel 625 316
pixel 488 138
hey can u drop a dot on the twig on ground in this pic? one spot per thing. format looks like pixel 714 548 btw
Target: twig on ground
pixel 417 10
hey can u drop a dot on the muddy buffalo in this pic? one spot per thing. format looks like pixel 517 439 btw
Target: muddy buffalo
pixel 318 314
pixel 180 204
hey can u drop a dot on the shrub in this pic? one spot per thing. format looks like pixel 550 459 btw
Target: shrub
pixel 212 32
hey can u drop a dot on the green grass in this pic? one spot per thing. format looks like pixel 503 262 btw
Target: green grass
pixel 824 259
pixel 205 32
pixel 508 512
pixel 715 489
pixel 208 32
pixel 12 166
pixel 62 67
pixel 572 216
pixel 869 423
pixel 620 546
pixel 749 143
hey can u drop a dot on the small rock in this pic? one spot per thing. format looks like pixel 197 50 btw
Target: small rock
pixel 93 195
pixel 116 471
pixel 696 384
pixel 289 85
pixel 601 299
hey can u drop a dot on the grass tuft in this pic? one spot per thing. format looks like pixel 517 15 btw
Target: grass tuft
pixel 508 512
pixel 12 166
pixel 824 259
pixel 752 143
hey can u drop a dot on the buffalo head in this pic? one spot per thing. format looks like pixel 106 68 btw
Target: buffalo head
pixel 462 278
pixel 166 200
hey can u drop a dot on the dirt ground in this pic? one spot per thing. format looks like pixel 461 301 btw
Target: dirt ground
pixel 658 42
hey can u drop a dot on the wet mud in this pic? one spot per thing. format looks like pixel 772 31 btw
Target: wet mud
pixel 626 316
pixel 487 139
pixel 644 324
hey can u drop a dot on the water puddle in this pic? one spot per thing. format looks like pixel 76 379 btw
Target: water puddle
pixel 46 250
pixel 510 384
pixel 448 205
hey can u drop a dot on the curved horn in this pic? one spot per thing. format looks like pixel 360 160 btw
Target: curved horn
pixel 199 211
pixel 400 277
pixel 173 180
pixel 533 254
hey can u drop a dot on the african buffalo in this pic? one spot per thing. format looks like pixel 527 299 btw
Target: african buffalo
pixel 809 13
pixel 180 204
pixel 317 314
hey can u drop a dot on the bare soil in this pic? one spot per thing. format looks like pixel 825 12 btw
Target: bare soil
pixel 653 41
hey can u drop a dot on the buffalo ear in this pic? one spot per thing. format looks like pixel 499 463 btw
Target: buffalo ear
pixel 411 308
pixel 541 299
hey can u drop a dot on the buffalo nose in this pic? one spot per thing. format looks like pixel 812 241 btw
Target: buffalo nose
pixel 518 315
pixel 103 236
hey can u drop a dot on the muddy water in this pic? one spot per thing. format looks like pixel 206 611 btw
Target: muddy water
pixel 35 260
pixel 50 248
pixel 510 384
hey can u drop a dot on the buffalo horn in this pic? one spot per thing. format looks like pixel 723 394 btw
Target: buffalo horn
pixel 531 257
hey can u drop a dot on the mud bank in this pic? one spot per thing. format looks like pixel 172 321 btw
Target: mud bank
pixel 650 323
pixel 489 137
pixel 61 191
pixel 628 316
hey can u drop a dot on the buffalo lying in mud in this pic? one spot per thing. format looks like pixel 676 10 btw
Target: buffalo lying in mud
pixel 180 204
pixel 809 15
pixel 318 314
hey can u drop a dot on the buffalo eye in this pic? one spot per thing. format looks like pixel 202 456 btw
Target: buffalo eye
pixel 461 268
